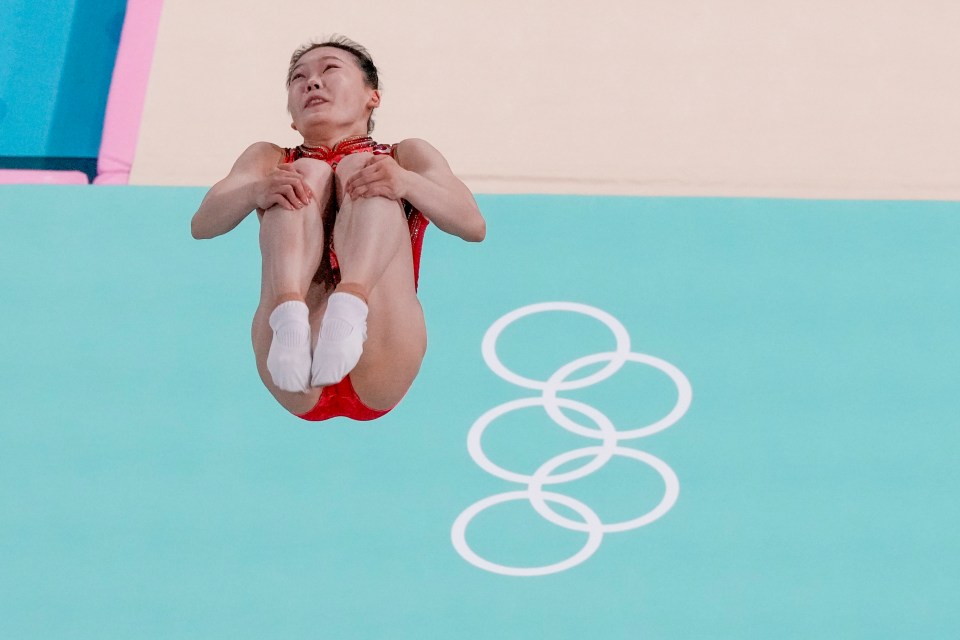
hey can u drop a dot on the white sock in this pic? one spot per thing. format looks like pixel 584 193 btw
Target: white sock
pixel 289 359
pixel 342 332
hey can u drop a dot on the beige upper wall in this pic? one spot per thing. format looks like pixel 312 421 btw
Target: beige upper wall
pixel 821 98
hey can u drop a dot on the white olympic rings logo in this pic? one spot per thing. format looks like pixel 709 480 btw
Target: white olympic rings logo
pixel 603 430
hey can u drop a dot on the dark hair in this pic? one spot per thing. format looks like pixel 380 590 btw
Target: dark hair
pixel 357 50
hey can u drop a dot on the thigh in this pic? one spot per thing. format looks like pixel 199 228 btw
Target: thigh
pixel 396 337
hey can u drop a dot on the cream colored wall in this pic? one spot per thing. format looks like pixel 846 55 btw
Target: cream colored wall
pixel 820 98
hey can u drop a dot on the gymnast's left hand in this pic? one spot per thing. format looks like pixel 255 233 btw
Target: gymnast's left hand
pixel 380 177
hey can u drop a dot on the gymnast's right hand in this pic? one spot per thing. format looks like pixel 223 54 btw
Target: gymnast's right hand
pixel 283 187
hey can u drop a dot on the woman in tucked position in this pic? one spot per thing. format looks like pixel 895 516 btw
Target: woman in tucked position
pixel 339 330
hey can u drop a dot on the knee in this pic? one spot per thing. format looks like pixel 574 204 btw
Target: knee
pixel 350 164
pixel 317 173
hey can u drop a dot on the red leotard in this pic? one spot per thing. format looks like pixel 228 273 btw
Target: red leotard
pixel 341 399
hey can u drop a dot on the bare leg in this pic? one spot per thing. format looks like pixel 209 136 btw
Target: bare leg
pixel 372 241
pixel 370 231
pixel 367 235
pixel 291 244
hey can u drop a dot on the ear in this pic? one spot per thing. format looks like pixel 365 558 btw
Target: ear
pixel 374 101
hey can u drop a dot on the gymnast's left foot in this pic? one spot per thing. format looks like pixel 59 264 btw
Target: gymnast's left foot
pixel 342 334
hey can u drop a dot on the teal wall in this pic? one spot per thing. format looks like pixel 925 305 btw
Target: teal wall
pixel 56 61
pixel 151 488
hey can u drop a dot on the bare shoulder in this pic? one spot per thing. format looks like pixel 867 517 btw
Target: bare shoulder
pixel 264 147
pixel 259 157
pixel 419 155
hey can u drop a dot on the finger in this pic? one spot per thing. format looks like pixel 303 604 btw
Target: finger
pixel 367 191
pixel 377 190
pixel 302 191
pixel 295 191
pixel 284 201
pixel 290 172
pixel 350 182
pixel 276 200
pixel 381 190
pixel 287 169
pixel 357 182
pixel 371 160
pixel 290 195
pixel 289 177
pixel 295 178
pixel 361 187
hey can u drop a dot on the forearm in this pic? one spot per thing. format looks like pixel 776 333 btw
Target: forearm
pixel 447 204
pixel 226 204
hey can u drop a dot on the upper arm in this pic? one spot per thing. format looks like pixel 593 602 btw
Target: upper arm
pixel 444 199
pixel 228 202
pixel 255 162
pixel 419 156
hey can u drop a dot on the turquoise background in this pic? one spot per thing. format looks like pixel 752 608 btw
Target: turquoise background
pixel 151 488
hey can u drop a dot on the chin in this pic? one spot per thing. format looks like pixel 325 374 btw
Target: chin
pixel 311 125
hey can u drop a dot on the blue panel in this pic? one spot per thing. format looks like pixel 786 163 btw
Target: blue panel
pixel 149 484
pixel 56 61
pixel 33 46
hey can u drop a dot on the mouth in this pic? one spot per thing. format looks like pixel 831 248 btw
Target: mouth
pixel 312 102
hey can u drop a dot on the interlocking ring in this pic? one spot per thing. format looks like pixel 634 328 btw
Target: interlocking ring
pixel 604 431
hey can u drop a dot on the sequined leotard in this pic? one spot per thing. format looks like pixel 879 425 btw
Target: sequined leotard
pixel 341 399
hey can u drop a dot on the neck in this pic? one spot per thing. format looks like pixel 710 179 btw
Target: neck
pixel 330 138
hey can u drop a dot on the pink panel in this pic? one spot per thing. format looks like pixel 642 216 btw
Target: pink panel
pixel 30 176
pixel 128 90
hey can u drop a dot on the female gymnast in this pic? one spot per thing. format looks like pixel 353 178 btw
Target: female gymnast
pixel 339 330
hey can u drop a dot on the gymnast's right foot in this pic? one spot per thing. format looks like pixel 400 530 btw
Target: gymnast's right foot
pixel 289 358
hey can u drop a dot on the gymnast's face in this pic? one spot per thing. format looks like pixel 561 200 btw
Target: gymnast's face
pixel 328 90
